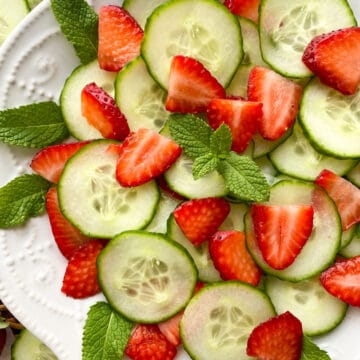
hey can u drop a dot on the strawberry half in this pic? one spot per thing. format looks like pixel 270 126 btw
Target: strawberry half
pixel 199 219
pixel 242 117
pixel 144 155
pixel 280 98
pixel 50 161
pixel 279 338
pixel 191 86
pixel 120 38
pixel 345 195
pixel 343 280
pixel 231 257
pixel 80 279
pixel 101 111
pixel 335 59
pixel 147 342
pixel 245 8
pixel 281 231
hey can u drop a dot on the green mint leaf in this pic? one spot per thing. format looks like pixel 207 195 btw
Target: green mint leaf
pixel 220 141
pixel 21 199
pixel 311 351
pixel 106 334
pixel 203 165
pixel 191 133
pixel 36 125
pixel 243 178
pixel 79 23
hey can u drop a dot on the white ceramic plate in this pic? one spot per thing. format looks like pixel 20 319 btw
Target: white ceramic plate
pixel 34 62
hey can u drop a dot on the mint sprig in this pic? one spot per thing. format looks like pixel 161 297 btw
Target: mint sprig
pixel 211 150
pixel 311 351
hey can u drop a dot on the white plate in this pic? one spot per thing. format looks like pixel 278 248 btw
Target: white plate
pixel 34 62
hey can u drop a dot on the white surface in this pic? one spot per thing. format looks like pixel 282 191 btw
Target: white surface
pixel 34 63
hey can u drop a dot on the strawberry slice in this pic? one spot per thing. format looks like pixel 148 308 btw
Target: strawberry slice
pixel 231 257
pixel 191 86
pixel 245 8
pixel 280 98
pixel 147 342
pixel 101 111
pixel 281 231
pixel 242 117
pixel 50 161
pixel 345 195
pixel 342 280
pixel 199 219
pixel 335 58
pixel 120 38
pixel 143 156
pixel 279 338
pixel 80 279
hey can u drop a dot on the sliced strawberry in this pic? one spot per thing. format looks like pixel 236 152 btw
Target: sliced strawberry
pixel 50 161
pixel 281 231
pixel 335 58
pixel 279 338
pixel 143 156
pixel 242 117
pixel 245 8
pixel 80 279
pixel 280 98
pixel 231 257
pixel 147 342
pixel 345 195
pixel 199 219
pixel 120 38
pixel 191 86
pixel 343 280
pixel 170 329
pixel 101 111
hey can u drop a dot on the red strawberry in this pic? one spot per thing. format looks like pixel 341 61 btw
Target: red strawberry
pixel 143 156
pixel 170 329
pixel 245 8
pixel 2 339
pixel 343 280
pixel 191 87
pixel 147 342
pixel 335 58
pixel 50 161
pixel 199 219
pixel 120 38
pixel 281 231
pixel 279 338
pixel 231 257
pixel 345 195
pixel 242 117
pixel 280 98
pixel 80 279
pixel 101 111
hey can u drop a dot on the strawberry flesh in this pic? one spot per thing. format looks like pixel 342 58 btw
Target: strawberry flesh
pixel 245 8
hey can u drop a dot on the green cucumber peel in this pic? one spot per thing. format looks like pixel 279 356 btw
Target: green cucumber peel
pixel 311 351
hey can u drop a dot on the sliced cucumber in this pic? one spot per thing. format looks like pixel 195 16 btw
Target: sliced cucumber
pixel 287 27
pixel 263 147
pixel 92 199
pixel 219 319
pixel 318 311
pixel 202 29
pixel 238 85
pixel 145 276
pixel 353 247
pixel 331 120
pixel 140 98
pixel 354 175
pixel 347 236
pixel 267 168
pixel 235 219
pixel 70 99
pixel 321 248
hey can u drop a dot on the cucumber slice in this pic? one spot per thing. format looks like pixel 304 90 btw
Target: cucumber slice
pixel 322 246
pixel 347 236
pixel 267 168
pixel 330 120
pixel 235 219
pixel 91 198
pixel 354 175
pixel 219 319
pixel 202 29
pixel 146 277
pixel 139 97
pixel 33 3
pixel 353 248
pixel 262 147
pixel 318 311
pixel 287 27
pixel 70 98
pixel 238 85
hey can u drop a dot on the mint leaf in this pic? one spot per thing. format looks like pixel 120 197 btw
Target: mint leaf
pixel 311 351
pixel 21 199
pixel 203 165
pixel 220 142
pixel 79 24
pixel 243 178
pixel 36 125
pixel 106 334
